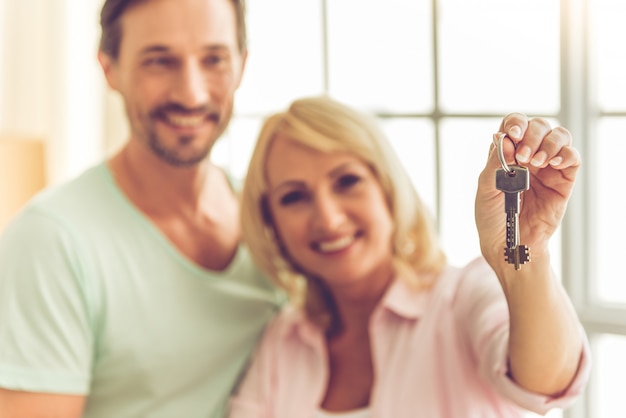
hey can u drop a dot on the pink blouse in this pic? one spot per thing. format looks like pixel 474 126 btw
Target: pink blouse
pixel 437 353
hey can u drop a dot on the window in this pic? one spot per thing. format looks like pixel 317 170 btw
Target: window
pixel 437 73
pixel 402 60
pixel 2 55
pixel 603 300
pixel 607 123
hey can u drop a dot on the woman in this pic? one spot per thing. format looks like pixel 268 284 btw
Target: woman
pixel 379 325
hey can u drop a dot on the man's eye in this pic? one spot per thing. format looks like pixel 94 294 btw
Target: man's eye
pixel 291 197
pixel 159 62
pixel 348 180
pixel 215 60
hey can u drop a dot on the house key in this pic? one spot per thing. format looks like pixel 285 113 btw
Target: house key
pixel 512 180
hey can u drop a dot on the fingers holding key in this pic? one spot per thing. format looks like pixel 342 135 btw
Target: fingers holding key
pixel 538 144
pixel 568 157
pixel 515 125
pixel 542 145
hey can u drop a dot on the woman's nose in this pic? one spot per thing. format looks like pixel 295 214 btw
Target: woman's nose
pixel 328 213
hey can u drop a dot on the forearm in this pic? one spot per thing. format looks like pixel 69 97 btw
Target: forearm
pixel 545 340
pixel 16 404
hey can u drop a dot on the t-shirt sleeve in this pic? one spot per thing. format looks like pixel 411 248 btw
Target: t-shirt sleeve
pixel 486 320
pixel 46 342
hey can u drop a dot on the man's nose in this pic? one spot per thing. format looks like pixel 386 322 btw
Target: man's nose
pixel 193 87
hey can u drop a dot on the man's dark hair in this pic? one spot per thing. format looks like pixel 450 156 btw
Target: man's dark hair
pixel 111 27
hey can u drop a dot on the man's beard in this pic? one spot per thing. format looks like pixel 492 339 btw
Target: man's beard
pixel 173 158
pixel 170 155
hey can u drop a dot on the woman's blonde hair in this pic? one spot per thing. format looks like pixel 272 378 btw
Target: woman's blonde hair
pixel 326 125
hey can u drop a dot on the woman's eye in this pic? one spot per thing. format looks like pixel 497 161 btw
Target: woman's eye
pixel 291 197
pixel 348 180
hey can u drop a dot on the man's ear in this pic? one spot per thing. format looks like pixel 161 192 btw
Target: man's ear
pixel 108 65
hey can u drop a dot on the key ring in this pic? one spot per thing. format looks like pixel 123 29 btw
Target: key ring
pixel 498 138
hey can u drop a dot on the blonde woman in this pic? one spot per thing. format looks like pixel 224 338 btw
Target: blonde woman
pixel 379 324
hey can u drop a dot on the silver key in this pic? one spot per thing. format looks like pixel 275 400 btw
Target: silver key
pixel 513 182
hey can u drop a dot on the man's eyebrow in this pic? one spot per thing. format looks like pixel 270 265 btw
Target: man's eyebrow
pixel 154 48
pixel 216 47
pixel 162 48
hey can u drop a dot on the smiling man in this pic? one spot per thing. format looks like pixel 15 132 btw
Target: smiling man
pixel 125 292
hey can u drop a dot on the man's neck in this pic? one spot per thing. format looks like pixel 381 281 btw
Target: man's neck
pixel 156 186
pixel 195 208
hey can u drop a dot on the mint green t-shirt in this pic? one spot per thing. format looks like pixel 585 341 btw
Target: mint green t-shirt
pixel 94 300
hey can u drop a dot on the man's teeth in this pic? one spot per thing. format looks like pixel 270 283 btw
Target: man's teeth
pixel 338 244
pixel 185 121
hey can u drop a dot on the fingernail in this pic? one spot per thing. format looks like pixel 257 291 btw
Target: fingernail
pixel 523 154
pixel 515 132
pixel 539 159
pixel 556 161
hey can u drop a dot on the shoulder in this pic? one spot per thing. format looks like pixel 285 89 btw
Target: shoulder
pixel 91 186
pixel 243 271
pixel 477 279
pixel 456 282
pixel 289 320
pixel 291 328
pixel 479 302
pixel 66 200
pixel 91 200
pixel 54 220
pixel 460 289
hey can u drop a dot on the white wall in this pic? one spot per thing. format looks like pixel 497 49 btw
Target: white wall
pixel 51 84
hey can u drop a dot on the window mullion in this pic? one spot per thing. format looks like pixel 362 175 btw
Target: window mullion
pixel 574 114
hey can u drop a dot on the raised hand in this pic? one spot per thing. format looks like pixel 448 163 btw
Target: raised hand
pixel 552 163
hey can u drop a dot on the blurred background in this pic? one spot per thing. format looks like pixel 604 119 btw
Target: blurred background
pixel 439 74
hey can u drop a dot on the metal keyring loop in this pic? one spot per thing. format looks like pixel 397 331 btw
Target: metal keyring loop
pixel 498 138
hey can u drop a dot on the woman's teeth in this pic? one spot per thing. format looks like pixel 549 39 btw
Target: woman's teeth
pixel 338 244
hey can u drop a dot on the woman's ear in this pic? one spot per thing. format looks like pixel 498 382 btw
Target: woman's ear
pixel 270 230
pixel 266 213
pixel 268 221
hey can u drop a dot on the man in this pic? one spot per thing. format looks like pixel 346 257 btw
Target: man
pixel 124 293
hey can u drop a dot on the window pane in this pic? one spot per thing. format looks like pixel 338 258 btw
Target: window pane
pixel 285 54
pixel 609 369
pixel 503 40
pixel 234 148
pixel 83 83
pixel 380 54
pixel 608 205
pixel 413 141
pixel 610 55
pixel 464 148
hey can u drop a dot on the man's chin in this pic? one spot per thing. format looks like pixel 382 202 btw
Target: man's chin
pixel 183 161
pixel 176 158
